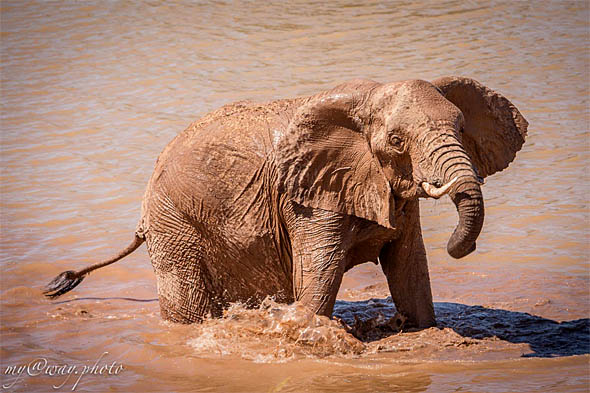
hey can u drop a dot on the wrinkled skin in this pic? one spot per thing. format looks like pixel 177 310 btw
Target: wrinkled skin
pixel 282 198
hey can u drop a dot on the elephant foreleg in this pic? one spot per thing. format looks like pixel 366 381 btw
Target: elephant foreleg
pixel 318 257
pixel 406 268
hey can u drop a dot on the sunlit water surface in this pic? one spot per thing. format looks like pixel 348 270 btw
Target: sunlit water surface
pixel 92 91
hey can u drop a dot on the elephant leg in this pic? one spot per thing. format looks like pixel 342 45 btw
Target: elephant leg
pixel 185 289
pixel 406 268
pixel 317 238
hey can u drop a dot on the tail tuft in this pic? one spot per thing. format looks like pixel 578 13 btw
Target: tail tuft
pixel 63 283
pixel 70 279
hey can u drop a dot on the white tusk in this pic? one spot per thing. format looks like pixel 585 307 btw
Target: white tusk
pixel 435 192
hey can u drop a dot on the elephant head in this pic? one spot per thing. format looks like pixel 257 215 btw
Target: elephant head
pixel 365 148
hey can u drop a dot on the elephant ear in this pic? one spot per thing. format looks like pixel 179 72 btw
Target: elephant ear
pixel 494 129
pixel 324 161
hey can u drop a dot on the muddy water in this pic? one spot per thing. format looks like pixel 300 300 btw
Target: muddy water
pixel 91 93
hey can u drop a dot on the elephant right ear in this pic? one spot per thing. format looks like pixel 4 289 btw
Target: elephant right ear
pixel 324 161
pixel 494 129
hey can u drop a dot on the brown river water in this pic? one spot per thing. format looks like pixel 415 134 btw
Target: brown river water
pixel 92 91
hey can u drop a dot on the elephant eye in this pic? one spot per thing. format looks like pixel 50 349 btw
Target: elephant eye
pixel 397 143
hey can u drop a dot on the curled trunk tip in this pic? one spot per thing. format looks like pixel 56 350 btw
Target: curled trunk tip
pixel 469 203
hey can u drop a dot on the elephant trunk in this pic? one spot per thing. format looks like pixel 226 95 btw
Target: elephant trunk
pixel 469 202
pixel 454 165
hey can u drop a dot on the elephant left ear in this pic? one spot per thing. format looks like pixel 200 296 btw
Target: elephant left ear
pixel 324 161
pixel 494 129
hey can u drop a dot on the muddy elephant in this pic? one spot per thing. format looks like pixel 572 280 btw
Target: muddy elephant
pixel 282 198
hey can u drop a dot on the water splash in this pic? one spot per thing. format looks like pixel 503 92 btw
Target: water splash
pixel 273 332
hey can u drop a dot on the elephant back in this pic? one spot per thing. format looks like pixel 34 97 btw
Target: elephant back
pixel 214 170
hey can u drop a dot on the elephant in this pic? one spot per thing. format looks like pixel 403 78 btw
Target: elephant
pixel 282 198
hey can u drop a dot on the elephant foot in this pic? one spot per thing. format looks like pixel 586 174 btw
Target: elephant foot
pixel 376 327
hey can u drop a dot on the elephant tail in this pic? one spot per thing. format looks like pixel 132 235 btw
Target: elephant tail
pixel 68 280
